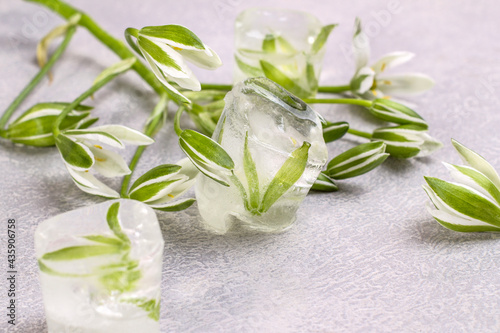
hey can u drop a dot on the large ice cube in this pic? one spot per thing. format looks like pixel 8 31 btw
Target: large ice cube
pixel 279 40
pixel 100 268
pixel 277 124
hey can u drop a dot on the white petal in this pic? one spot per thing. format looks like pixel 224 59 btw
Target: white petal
pixel 88 183
pixel 126 134
pixel 363 80
pixel 392 60
pixel 201 59
pixel 159 40
pixel 404 84
pixel 159 75
pixel 188 168
pixel 360 46
pixel 453 219
pixel 477 162
pixel 174 55
pixel 94 136
pixel 176 191
pixel 190 83
pixel 429 146
pixel 109 163
pixel 459 177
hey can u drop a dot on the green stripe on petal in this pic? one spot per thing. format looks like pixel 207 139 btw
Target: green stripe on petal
pixel 75 154
pixel 175 35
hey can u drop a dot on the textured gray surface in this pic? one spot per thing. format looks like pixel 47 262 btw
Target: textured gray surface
pixel 368 258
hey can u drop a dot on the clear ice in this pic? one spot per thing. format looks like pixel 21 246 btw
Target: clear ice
pixel 98 277
pixel 277 124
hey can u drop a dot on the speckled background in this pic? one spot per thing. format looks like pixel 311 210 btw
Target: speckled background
pixel 365 259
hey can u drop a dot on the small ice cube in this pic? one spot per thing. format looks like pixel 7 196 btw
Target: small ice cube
pixel 100 268
pixel 274 123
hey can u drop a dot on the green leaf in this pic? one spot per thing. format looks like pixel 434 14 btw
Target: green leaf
pixel 121 281
pixel 467 228
pixel 312 80
pixel 47 270
pixel 285 46
pixel 396 112
pixel 357 161
pixel 75 154
pixel 289 173
pixel 174 33
pixel 322 37
pixel 207 155
pixel 116 69
pixel 151 306
pixel 81 252
pixel 324 184
pixel 251 174
pixel 148 192
pixel 157 53
pixel 104 239
pixel 277 76
pixel 269 44
pixel 477 162
pixel 175 206
pixel 114 222
pixel 247 69
pixel 158 172
pixel 334 131
pixel 465 201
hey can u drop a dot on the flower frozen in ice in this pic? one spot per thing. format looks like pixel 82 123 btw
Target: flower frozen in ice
pixel 472 202
pixel 370 81
pixel 82 150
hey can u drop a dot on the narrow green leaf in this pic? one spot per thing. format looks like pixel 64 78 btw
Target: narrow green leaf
pixel 465 201
pixel 289 173
pixel 121 281
pixel 104 239
pixel 152 307
pixel 47 270
pixel 251 174
pixel 81 252
pixel 269 44
pixel 174 33
pixel 324 184
pixel 247 69
pixel 175 206
pixel 285 46
pixel 277 76
pixel 467 228
pixel 157 53
pixel 114 222
pixel 312 80
pixel 156 173
pixel 148 192
pixel 116 69
pixel 322 37
pixel 334 131
pixel 73 153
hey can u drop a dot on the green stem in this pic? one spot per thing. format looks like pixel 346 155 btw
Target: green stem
pixel 177 120
pixel 216 86
pixel 334 89
pixel 352 101
pixel 359 133
pixel 112 43
pixel 89 92
pixel 33 83
pixel 151 128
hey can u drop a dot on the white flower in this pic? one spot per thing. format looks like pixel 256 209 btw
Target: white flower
pixel 167 47
pixel 407 141
pixel 161 186
pixel 82 150
pixel 370 82
pixel 472 202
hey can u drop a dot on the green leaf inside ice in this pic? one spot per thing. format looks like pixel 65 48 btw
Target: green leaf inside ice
pixel 104 240
pixel 282 79
pixel 312 80
pixel 289 173
pixel 269 44
pixel 114 222
pixel 151 306
pixel 248 69
pixel 322 37
pixel 251 175
pixel 81 252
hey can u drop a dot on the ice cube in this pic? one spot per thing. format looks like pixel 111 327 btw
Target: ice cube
pixel 275 125
pixel 283 39
pixel 100 268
